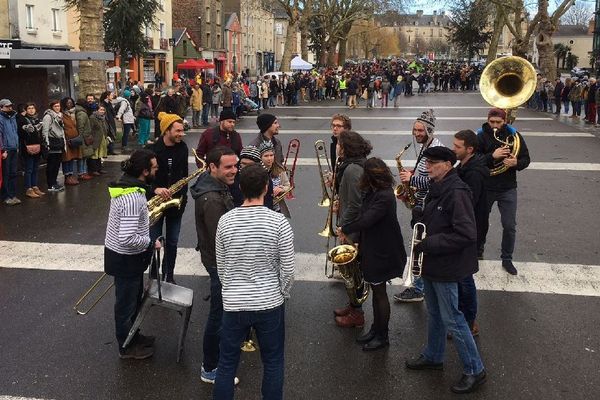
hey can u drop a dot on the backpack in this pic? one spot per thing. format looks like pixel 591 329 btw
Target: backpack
pixel 235 99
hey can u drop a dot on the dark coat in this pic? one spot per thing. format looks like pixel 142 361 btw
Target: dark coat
pixel 30 132
pixel 450 246
pixel 381 248
pixel 475 174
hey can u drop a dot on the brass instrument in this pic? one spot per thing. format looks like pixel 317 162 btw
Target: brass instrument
pixel 249 344
pixel 507 83
pixel 415 265
pixel 156 207
pixel 293 150
pixel 404 191
pixel 343 257
pixel 277 199
pixel 324 173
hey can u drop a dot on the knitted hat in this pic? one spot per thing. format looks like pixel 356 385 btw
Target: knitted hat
pixel 265 146
pixel 428 119
pixel 251 153
pixel 440 153
pixel 264 121
pixel 497 112
pixel 227 114
pixel 166 120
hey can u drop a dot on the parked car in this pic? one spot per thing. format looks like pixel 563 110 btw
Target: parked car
pixel 580 72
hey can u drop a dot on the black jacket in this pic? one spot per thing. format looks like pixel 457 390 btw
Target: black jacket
pixel 450 246
pixel 172 166
pixel 381 248
pixel 486 146
pixel 475 174
pixel 212 201
pixel 333 151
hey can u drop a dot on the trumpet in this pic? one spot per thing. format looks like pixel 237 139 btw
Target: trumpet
pixel 415 264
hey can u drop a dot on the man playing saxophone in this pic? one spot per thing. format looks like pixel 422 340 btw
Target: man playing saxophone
pixel 172 156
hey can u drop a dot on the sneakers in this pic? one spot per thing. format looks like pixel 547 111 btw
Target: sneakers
pixel 136 351
pixel 409 295
pixel 509 267
pixel 421 363
pixel 210 376
pixel 38 191
pixel 32 194
pixel 354 319
pixel 12 201
pixel 56 188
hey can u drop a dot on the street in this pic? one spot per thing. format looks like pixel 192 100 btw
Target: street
pixel 539 330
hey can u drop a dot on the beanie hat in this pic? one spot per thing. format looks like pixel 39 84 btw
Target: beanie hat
pixel 440 153
pixel 227 114
pixel 166 120
pixel 251 153
pixel 497 112
pixel 264 121
pixel 265 146
pixel 428 119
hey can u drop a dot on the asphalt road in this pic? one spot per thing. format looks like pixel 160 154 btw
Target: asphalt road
pixel 535 343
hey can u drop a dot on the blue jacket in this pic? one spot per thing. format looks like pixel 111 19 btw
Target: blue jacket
pixel 9 136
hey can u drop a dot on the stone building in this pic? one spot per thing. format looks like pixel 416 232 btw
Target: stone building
pixel 579 38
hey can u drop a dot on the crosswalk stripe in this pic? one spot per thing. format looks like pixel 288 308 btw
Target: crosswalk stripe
pixel 412 118
pixel 540 166
pixel 534 277
pixel 526 134
pixel 4 397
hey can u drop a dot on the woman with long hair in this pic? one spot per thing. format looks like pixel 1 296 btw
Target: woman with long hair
pixel 30 135
pixel 72 151
pixel 54 139
pixel 381 245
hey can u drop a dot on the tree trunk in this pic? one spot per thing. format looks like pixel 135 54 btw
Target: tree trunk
pixel 544 41
pixel 342 53
pixel 92 74
pixel 498 27
pixel 331 61
pixel 520 47
pixel 289 42
pixel 123 79
pixel 304 26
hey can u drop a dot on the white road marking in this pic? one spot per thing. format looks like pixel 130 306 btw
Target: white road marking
pixel 408 133
pixel 379 117
pixel 19 398
pixel 541 166
pixel 390 107
pixel 534 277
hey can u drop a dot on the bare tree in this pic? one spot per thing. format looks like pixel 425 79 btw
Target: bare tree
pixel 579 14
pixel 292 9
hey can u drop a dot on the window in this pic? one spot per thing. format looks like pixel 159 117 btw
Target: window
pixel 29 17
pixel 161 30
pixel 218 45
pixel 148 31
pixel 208 15
pixel 218 16
pixel 208 39
pixel 55 20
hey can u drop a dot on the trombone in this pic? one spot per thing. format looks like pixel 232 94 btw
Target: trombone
pixel 415 265
pixel 293 149
pixel 87 293
pixel 324 173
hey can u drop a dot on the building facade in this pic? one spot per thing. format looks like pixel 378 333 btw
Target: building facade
pixel 580 40
pixel 233 43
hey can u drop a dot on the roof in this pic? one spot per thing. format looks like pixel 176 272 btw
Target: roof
pixel 571 30
pixel 178 34
pixel 418 19
pixel 233 18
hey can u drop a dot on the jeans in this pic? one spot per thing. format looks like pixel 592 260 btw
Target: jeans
pixel 126 129
pixel 68 167
pixel 82 166
pixel 128 299
pixel 31 171
pixel 212 329
pixel 214 111
pixel 566 104
pixel 444 316
pixel 507 205
pixel 9 175
pixel 172 228
pixel 205 110
pixel 196 117
pixel 52 166
pixel 270 332
pixel 467 298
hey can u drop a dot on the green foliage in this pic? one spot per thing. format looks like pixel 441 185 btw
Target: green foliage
pixel 469 26
pixel 561 51
pixel 572 61
pixel 124 21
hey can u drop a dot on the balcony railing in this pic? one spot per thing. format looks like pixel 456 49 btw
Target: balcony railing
pixel 164 44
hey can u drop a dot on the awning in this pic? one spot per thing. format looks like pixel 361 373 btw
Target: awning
pixel 195 64
pixel 58 55
pixel 221 58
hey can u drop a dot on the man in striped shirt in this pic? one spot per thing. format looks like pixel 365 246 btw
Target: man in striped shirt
pixel 127 247
pixel 423 130
pixel 255 262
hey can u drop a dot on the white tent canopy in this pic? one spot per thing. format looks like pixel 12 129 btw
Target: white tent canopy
pixel 298 63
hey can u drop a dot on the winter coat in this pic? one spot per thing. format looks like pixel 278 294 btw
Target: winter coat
pixel 382 254
pixel 486 146
pixel 70 129
pixel 450 247
pixel 348 175
pixel 99 130
pixel 226 96
pixel 206 94
pixel 264 90
pixel 53 132
pixel 9 135
pixel 212 201
pixel 110 119
pixel 124 110
pixel 207 142
pixel 258 140
pixel 30 132
pixel 217 94
pixel 475 174
pixel 84 128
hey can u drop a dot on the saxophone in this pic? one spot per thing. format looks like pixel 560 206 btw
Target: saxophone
pixel 404 191
pixel 157 205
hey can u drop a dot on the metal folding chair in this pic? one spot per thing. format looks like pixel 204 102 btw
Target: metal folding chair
pixel 167 295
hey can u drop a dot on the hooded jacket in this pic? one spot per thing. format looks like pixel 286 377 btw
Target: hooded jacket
pixel 486 146
pixel 8 130
pixel 450 246
pixel 212 201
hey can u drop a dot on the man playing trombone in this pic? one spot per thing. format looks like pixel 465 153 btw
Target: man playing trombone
pixel 450 254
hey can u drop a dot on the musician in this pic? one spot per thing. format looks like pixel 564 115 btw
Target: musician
pixel 269 129
pixel 249 155
pixel 381 246
pixel 502 188
pixel 172 156
pixel 352 151
pixel 213 199
pixel 223 134
pixel 339 123
pixel 255 262
pixel 474 172
pixel 450 255
pixel 127 247
pixel 423 130
pixel 280 182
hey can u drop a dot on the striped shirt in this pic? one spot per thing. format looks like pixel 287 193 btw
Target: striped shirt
pixel 255 258
pixel 420 179
pixel 128 227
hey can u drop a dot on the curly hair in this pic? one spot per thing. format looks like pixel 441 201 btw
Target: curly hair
pixel 376 175
pixel 354 145
pixel 344 119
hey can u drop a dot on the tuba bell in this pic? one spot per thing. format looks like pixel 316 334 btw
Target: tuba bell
pixel 506 83
pixel 343 258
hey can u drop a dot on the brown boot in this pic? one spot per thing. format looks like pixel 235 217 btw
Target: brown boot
pixel 38 191
pixel 32 194
pixel 85 177
pixel 354 319
pixel 340 312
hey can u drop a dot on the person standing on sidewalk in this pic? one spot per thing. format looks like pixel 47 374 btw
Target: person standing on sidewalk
pixel 255 262
pixel 31 138
pixel 9 137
